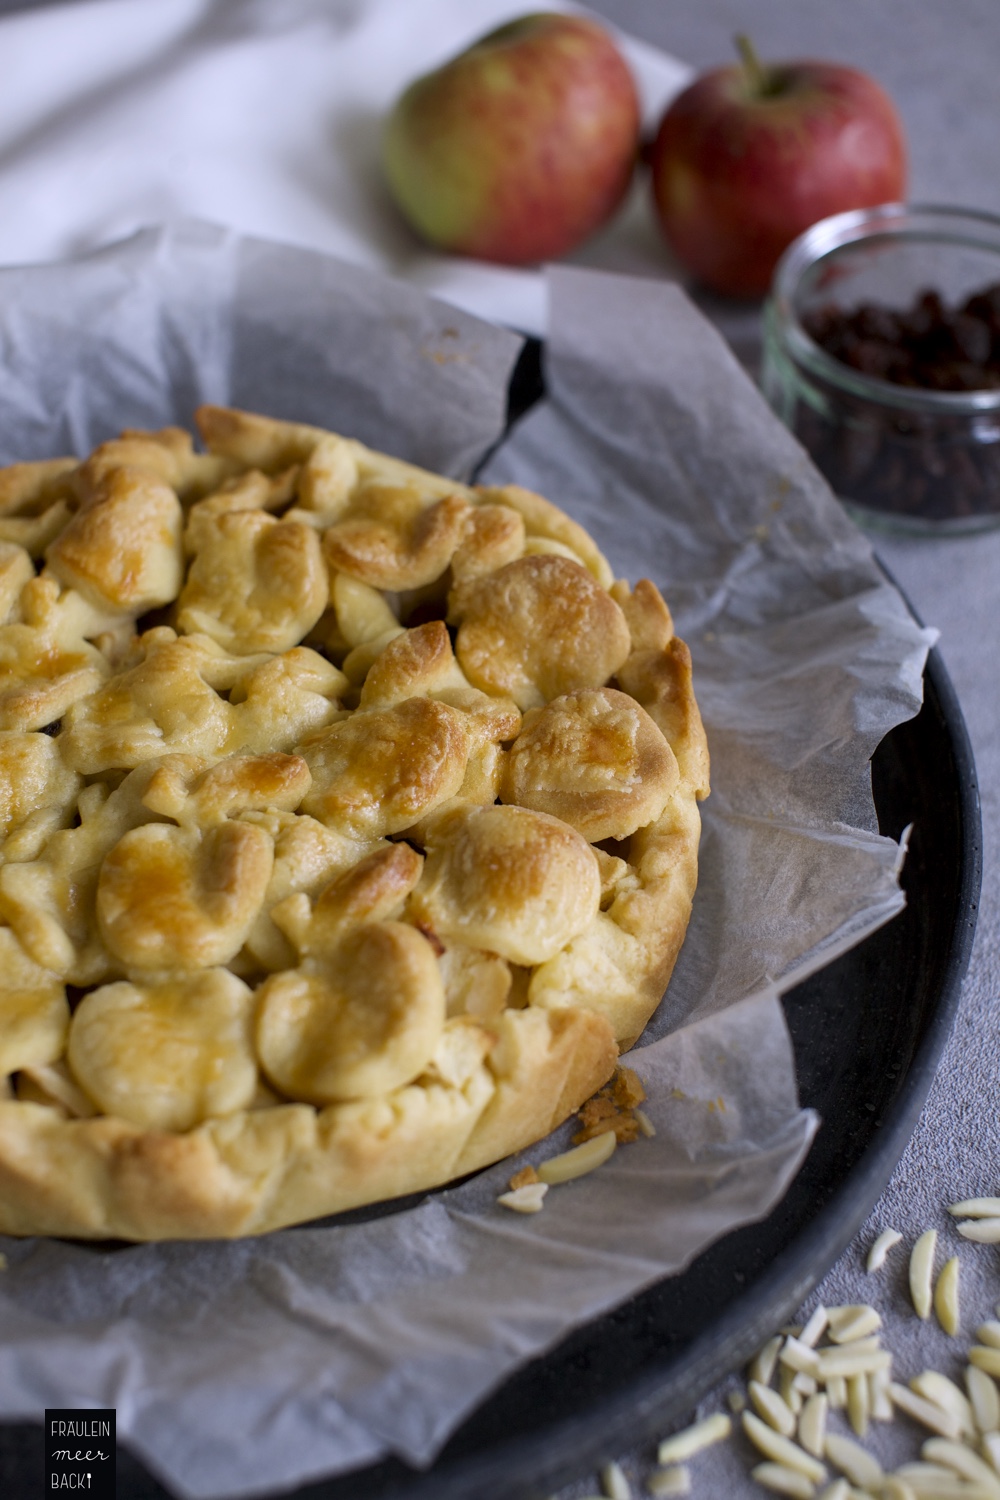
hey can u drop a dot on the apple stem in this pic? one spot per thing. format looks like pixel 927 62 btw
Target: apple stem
pixel 757 76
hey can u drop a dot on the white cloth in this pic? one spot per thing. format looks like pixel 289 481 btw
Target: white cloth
pixel 263 115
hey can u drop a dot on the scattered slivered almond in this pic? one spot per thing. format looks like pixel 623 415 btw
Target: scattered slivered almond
pixel 982 1231
pixel 854 1461
pixel 858 1402
pixel 881 1247
pixel 853 1322
pixel 976 1208
pixel 614 1482
pixel 927 1413
pixel 836 1390
pixel 922 1272
pixel 781 1480
pixel 964 1462
pixel 991 1447
pixel 934 1482
pixel 815 1327
pixel 787 1385
pixel 985 1358
pixel 799 1356
pixel 691 1440
pixel 852 1359
pixel 946 1296
pixel 764 1361
pixel 834 1361
pixel 526 1199
pixel 838 1490
pixel 936 1387
pixel 894 1488
pixel 984 1399
pixel 579 1160
pixel 879 1382
pixel 812 1424
pixel 781 1449
pixel 675 1480
pixel 774 1410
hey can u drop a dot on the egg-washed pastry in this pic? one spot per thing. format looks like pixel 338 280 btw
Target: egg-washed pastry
pixel 348 828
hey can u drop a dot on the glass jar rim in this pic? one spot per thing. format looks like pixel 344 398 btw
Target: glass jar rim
pixel 943 223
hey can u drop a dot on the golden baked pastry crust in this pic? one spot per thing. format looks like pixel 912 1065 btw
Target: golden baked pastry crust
pixel 348 828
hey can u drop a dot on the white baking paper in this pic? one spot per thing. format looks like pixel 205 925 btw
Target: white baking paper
pixel 242 1368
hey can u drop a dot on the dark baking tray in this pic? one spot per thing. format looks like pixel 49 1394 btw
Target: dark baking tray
pixel 868 1032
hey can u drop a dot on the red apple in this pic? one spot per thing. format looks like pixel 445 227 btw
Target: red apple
pixel 749 156
pixel 520 147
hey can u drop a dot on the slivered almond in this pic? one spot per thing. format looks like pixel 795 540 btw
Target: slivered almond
pixel 851 1323
pixel 927 1413
pixel 838 1490
pixel 880 1249
pixel 984 1398
pixel 836 1390
pixel 894 1488
pixel 964 1462
pixel 854 1461
pixel 673 1481
pixel 763 1363
pixel 922 1271
pixel 799 1356
pixel 526 1199
pixel 781 1449
pixel 783 1481
pixel 982 1231
pixel 858 1405
pixel 852 1359
pixel 814 1328
pixel 578 1161
pixel 985 1359
pixel 812 1424
pixel 976 1208
pixel 769 1405
pixel 946 1296
pixel 693 1439
pixel 934 1386
pixel 878 1390
pixel 614 1482
pixel 931 1482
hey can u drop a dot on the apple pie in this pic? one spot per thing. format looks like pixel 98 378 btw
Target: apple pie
pixel 348 828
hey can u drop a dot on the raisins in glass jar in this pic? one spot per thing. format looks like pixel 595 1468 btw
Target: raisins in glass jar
pixel 934 464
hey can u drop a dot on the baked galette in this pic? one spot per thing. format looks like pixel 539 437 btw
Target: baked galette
pixel 348 828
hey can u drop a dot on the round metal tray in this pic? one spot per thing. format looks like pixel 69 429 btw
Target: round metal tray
pixel 868 1033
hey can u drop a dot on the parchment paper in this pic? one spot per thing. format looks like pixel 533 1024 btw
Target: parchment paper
pixel 247 1367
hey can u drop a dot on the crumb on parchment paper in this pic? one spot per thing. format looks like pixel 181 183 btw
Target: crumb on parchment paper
pixel 612 1108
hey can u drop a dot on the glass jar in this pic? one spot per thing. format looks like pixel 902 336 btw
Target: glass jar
pixel 901 457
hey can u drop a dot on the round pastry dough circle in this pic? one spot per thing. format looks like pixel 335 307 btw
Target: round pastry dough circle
pixel 509 881
pixel 167 1055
